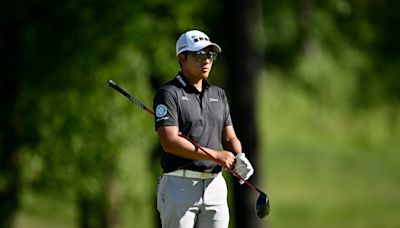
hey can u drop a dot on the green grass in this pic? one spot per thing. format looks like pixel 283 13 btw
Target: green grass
pixel 41 211
pixel 324 166
pixel 327 167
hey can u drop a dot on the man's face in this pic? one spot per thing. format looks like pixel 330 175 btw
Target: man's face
pixel 197 65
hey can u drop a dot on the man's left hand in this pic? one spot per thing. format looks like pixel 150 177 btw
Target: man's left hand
pixel 243 167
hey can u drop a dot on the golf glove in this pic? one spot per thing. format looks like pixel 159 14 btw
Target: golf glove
pixel 243 167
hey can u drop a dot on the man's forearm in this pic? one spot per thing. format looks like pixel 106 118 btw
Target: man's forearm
pixel 233 145
pixel 183 148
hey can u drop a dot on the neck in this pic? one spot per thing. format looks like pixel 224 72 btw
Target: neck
pixel 197 83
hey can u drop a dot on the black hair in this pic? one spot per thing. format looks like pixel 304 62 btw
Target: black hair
pixel 185 53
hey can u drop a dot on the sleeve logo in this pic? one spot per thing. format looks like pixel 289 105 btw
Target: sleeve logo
pixel 161 110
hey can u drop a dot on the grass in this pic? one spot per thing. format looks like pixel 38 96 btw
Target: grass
pixel 40 211
pixel 326 167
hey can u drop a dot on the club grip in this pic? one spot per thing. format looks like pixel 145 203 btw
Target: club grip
pixel 119 89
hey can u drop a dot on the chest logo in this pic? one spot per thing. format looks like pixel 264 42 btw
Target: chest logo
pixel 213 99
pixel 185 98
pixel 161 110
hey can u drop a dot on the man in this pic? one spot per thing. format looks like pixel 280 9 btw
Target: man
pixel 192 191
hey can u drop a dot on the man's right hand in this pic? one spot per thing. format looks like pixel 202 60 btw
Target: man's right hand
pixel 225 158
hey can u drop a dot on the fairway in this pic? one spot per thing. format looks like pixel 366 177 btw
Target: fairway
pixel 326 167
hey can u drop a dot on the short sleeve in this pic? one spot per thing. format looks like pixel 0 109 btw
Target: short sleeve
pixel 165 108
pixel 227 114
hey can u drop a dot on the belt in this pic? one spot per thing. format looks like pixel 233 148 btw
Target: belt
pixel 191 174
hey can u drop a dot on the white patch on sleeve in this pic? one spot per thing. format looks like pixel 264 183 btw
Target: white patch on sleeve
pixel 161 110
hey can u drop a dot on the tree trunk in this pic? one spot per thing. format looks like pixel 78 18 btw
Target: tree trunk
pixel 243 49
pixel 304 19
pixel 101 209
pixel 10 173
pixel 93 212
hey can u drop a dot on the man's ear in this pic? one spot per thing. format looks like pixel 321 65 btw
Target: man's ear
pixel 181 58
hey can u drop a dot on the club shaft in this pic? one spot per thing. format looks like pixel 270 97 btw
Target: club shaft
pixel 134 100
pixel 142 106
pixel 233 172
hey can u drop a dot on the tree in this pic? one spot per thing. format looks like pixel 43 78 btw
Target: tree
pixel 12 125
pixel 51 54
pixel 244 51
pixel 58 57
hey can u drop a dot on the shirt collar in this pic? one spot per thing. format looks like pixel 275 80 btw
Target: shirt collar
pixel 186 84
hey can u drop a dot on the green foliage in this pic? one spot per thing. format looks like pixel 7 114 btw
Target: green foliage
pixel 84 143
pixel 330 106
pixel 331 116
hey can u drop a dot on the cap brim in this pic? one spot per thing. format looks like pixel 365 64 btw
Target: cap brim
pixel 201 45
pixel 216 48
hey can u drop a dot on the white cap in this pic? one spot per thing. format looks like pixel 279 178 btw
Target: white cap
pixel 194 40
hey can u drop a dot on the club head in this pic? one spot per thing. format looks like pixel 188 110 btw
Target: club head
pixel 262 206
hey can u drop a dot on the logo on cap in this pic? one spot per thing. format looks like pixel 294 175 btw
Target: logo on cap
pixel 199 38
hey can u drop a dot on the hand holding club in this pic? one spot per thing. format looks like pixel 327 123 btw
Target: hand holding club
pixel 243 167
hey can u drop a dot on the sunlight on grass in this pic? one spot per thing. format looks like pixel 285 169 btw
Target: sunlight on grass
pixel 326 167
pixel 43 211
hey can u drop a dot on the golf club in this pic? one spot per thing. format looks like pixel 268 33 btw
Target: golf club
pixel 262 205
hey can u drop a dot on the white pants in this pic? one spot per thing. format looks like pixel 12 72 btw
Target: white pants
pixel 191 202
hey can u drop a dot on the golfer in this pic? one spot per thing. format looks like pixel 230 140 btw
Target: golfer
pixel 192 191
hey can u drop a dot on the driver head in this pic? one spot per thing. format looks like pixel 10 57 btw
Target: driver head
pixel 262 206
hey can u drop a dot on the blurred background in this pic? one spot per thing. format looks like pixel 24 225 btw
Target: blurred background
pixel 314 89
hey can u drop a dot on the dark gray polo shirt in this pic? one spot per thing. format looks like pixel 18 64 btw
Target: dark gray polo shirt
pixel 200 115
